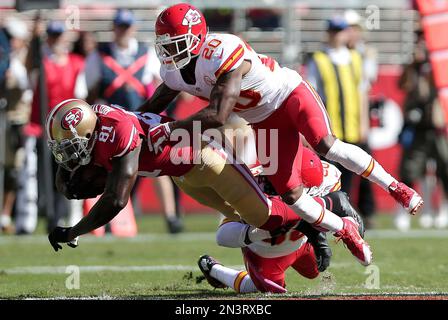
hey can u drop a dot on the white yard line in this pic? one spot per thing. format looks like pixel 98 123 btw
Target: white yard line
pixel 210 236
pixel 411 234
pixel 90 269
pixel 184 237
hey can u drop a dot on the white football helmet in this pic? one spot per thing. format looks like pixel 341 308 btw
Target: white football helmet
pixel 71 135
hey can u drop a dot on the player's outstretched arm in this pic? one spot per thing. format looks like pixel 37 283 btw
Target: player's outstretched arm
pixel 159 100
pixel 223 98
pixel 115 197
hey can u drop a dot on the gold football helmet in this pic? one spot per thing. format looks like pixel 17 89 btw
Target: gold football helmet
pixel 71 133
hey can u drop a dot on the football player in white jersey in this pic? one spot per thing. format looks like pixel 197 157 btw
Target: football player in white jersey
pixel 301 247
pixel 234 78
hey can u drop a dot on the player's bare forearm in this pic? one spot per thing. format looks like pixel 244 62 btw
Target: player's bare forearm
pixel 159 100
pixel 61 179
pixel 115 197
pixel 223 98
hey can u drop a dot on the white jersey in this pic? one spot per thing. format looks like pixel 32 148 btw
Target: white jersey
pixel 285 244
pixel 263 88
pixel 330 183
pixel 293 240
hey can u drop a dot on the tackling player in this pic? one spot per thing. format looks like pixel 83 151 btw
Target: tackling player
pixel 234 78
pixel 267 258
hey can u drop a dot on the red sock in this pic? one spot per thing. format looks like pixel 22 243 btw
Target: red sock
pixel 281 215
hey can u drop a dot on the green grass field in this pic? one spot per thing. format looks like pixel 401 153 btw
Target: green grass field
pixel 157 265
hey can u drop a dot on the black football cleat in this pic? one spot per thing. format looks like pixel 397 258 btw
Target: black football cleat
pixel 205 264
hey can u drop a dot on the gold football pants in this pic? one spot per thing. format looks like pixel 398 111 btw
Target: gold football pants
pixel 228 187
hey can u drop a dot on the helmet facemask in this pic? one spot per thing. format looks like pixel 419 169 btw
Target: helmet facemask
pixel 176 52
pixel 72 153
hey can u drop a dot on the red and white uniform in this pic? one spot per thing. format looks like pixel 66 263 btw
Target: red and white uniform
pixel 120 132
pixel 271 261
pixel 271 97
pixel 263 88
pixel 330 183
pixel 290 249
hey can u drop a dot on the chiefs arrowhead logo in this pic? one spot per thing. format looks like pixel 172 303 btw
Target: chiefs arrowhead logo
pixel 191 18
pixel 71 118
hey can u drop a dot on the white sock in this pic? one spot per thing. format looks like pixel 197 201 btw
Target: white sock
pixel 230 277
pixel 360 162
pixel 313 212
pixel 247 285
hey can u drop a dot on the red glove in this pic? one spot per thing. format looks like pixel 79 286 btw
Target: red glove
pixel 158 137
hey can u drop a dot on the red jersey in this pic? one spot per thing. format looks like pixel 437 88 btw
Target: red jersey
pixel 120 131
pixel 60 82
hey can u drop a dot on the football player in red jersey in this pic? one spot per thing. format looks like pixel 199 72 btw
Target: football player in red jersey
pixel 106 136
pixel 267 257
pixel 231 75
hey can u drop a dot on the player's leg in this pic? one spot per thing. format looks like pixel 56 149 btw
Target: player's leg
pixel 339 203
pixel 306 263
pixel 235 185
pixel 267 274
pixel 208 197
pixel 314 124
pixel 287 179
pixel 220 276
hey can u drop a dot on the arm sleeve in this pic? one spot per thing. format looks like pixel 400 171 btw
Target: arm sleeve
pixel 117 137
pixel 127 138
pixel 231 234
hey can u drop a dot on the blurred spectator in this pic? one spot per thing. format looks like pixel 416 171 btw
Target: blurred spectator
pixel 86 46
pixel 357 42
pixel 5 219
pixel 127 70
pixel 168 194
pixel 337 74
pixel 424 134
pixel 18 97
pixel 4 55
pixel 64 71
pixel 65 79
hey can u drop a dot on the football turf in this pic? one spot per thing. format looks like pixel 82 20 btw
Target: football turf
pixel 156 265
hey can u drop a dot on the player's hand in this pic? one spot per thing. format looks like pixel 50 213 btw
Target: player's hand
pixel 61 235
pixel 319 242
pixel 158 137
pixel 322 251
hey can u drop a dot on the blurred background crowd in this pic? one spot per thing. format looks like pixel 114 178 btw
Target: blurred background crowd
pixel 369 62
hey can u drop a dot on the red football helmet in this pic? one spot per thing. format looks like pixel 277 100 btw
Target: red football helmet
pixel 180 32
pixel 312 170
